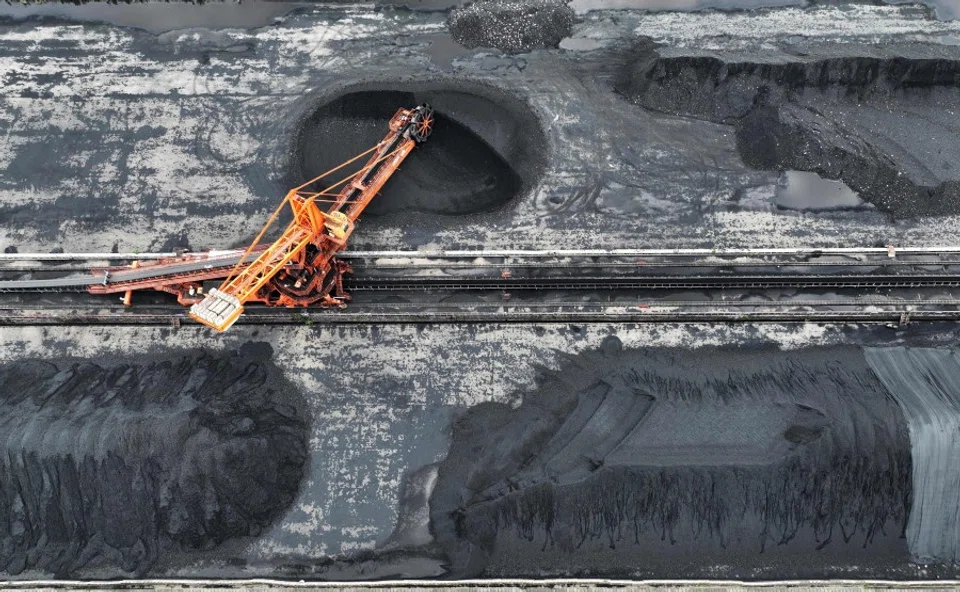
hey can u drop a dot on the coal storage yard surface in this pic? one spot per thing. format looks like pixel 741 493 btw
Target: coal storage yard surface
pixel 345 452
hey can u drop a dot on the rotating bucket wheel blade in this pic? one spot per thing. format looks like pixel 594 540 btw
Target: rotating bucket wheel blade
pixel 423 125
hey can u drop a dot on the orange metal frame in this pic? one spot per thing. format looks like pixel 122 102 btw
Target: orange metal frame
pixel 299 268
pixel 187 286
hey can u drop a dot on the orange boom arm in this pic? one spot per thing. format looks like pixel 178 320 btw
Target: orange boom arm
pixel 299 268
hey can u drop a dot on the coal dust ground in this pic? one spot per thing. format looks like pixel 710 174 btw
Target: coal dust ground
pixel 123 465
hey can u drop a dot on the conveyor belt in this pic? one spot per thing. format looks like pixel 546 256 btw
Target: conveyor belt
pixel 141 273
pixel 67 284
pixel 118 277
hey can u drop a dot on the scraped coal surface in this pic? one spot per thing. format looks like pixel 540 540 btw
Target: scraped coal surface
pixel 926 383
pixel 650 463
pixel 882 120
pixel 112 465
pixel 486 148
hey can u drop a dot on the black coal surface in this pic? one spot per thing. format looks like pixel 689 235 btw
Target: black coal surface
pixel 654 463
pixel 884 123
pixel 486 149
pixel 111 465
pixel 512 26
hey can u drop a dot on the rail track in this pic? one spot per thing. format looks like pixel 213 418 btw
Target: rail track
pixel 580 284
pixel 647 283
pixel 867 285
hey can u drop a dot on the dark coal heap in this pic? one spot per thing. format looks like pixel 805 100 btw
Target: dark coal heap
pixel 882 123
pixel 109 466
pixel 647 463
pixel 486 149
pixel 512 26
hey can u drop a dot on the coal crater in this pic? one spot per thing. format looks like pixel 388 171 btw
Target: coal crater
pixel 486 149
pixel 884 123
pixel 111 466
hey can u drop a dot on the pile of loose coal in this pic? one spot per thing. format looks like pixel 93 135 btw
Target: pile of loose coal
pixel 108 466
pixel 646 463
pixel 512 26
pixel 882 123
pixel 486 149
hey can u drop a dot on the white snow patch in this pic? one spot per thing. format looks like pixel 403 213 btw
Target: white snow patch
pixel 721 30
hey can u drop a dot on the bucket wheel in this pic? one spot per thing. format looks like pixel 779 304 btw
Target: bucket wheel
pixel 422 123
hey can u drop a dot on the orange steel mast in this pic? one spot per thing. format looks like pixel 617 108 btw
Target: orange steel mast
pixel 299 268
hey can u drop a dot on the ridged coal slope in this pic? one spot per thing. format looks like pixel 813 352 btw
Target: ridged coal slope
pixel 486 149
pixel 646 463
pixel 885 123
pixel 110 466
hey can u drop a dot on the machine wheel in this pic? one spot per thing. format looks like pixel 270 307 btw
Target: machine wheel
pixel 422 123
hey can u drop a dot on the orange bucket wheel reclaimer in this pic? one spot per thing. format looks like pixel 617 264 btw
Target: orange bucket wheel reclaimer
pixel 300 267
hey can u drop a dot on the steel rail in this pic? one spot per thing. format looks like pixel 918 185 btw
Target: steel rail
pixel 528 264
pixel 865 310
pixel 514 265
pixel 480 253
pixel 226 259
pixel 495 316
pixel 806 251
pixel 85 256
pixel 593 283
pixel 645 264
pixel 491 584
pixel 646 303
pixel 364 307
pixel 406 284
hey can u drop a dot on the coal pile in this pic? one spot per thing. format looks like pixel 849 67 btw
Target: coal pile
pixel 486 149
pixel 113 465
pixel 881 122
pixel 512 26
pixel 648 463
pixel 926 384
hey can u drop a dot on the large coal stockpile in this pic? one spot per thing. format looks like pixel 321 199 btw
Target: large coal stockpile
pixel 655 463
pixel 881 120
pixel 512 26
pixel 486 149
pixel 109 466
